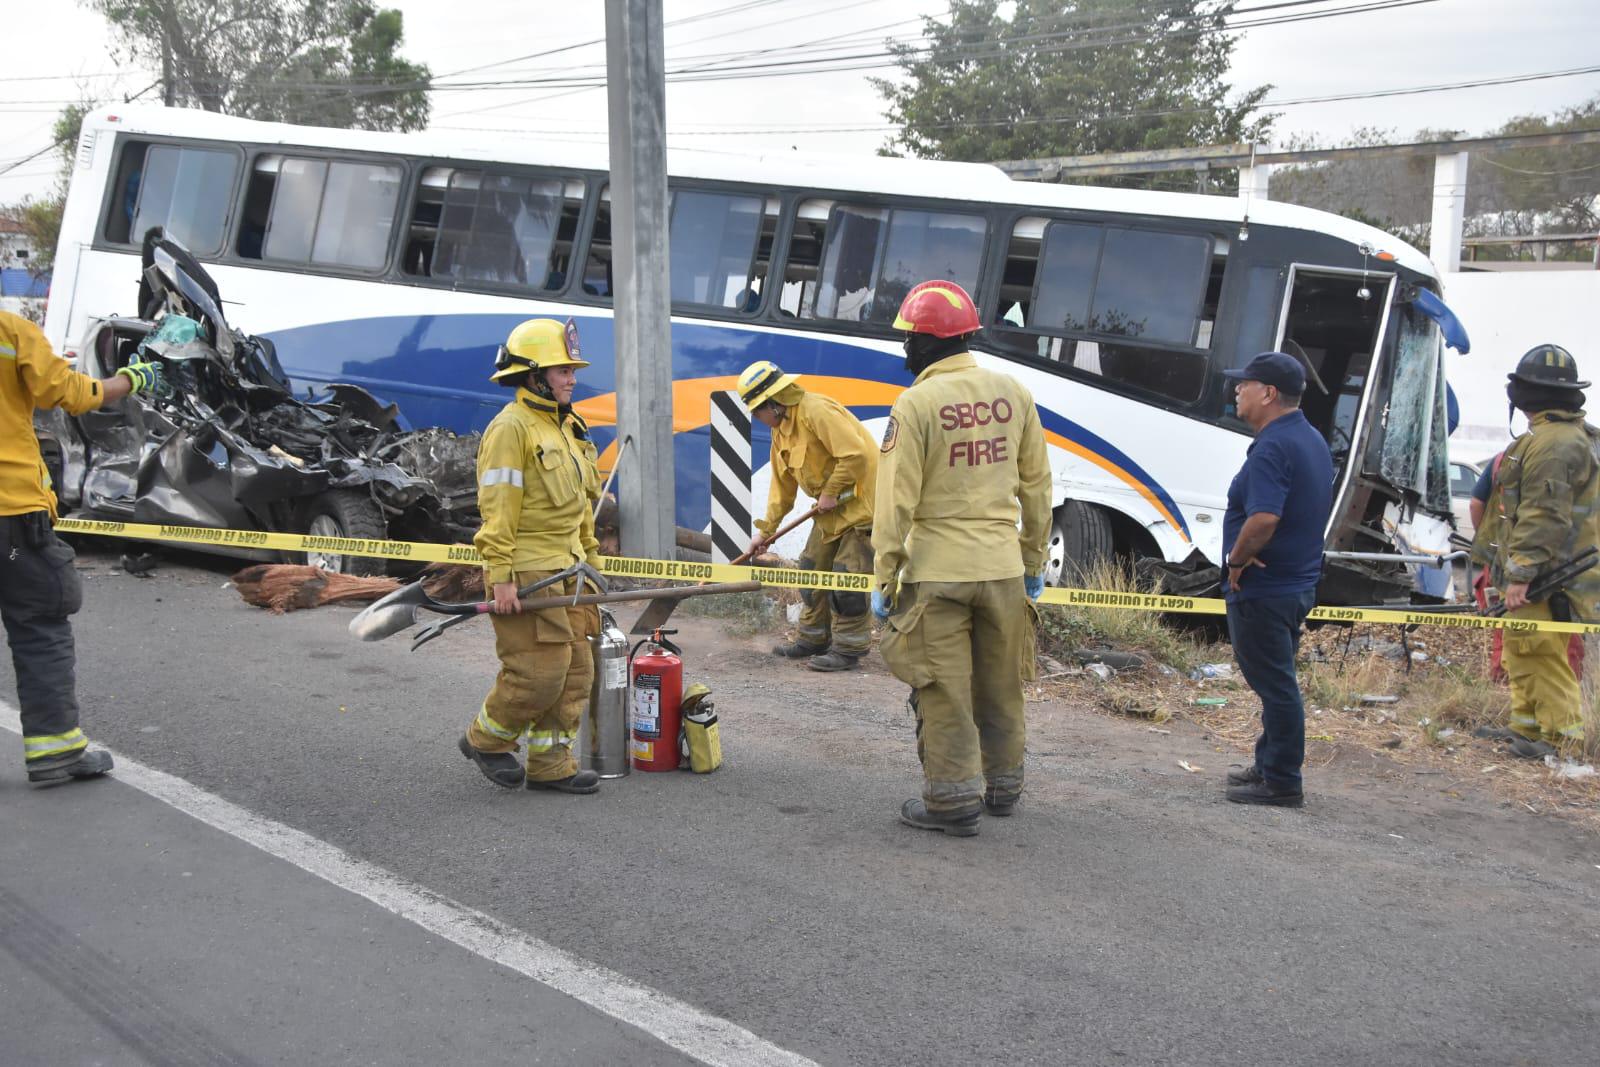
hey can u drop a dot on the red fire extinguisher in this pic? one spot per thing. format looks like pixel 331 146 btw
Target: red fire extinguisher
pixel 657 677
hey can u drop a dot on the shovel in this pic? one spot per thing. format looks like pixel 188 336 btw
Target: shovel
pixel 399 610
pixel 658 595
pixel 655 616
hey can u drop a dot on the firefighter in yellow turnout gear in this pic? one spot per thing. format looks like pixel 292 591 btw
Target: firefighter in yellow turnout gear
pixel 537 482
pixel 39 587
pixel 818 446
pixel 962 459
pixel 1546 509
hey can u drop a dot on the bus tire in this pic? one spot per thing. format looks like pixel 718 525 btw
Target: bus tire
pixel 1080 542
pixel 346 513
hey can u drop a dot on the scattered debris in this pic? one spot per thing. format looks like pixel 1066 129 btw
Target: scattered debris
pixel 1212 671
pixel 1569 768
pixel 1139 706
pixel 281 587
pixel 1157 730
pixel 140 564
pixel 1419 657
pixel 1211 702
pixel 1378 698
pixel 1100 671
pixel 1319 737
pixel 1118 661
pixel 1393 742
pixel 1186 765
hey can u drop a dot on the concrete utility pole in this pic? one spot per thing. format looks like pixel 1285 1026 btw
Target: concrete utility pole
pixel 637 87
pixel 1449 211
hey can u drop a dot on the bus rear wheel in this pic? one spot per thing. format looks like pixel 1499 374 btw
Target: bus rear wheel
pixel 1080 542
pixel 346 513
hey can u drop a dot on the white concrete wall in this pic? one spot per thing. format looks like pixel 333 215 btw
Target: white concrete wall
pixel 1505 315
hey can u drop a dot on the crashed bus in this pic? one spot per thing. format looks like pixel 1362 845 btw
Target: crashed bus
pixel 397 262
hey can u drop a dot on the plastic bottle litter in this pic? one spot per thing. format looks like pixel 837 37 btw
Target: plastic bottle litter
pixel 1569 768
pixel 1100 671
pixel 1211 702
pixel 1210 671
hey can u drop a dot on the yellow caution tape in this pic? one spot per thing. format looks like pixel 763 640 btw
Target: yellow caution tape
pixel 681 570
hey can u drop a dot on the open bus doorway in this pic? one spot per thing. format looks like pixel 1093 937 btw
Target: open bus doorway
pixel 1335 319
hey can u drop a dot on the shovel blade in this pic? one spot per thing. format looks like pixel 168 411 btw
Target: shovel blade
pixel 390 615
pixel 653 617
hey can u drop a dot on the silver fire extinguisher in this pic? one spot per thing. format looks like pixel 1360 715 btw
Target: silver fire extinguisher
pixel 603 733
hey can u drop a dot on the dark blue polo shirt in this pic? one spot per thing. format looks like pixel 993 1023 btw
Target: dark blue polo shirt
pixel 1287 472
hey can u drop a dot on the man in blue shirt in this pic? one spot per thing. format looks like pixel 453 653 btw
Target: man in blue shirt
pixel 1273 532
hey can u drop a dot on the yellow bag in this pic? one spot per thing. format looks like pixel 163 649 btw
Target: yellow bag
pixel 700 740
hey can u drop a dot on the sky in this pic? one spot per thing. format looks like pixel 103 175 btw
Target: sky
pixel 57 51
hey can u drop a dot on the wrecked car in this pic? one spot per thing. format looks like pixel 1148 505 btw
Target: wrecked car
pixel 226 444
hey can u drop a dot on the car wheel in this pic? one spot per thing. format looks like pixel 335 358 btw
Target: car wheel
pixel 346 513
pixel 1080 541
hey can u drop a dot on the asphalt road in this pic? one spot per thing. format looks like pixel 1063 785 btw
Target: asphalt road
pixel 1125 916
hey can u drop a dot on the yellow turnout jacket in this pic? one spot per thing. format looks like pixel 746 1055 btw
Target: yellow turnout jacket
pixel 537 481
pixel 32 376
pixel 822 448
pixel 962 460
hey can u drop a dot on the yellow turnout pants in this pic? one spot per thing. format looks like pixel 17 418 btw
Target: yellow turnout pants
pixel 964 648
pixel 539 695
pixel 1546 700
pixel 838 620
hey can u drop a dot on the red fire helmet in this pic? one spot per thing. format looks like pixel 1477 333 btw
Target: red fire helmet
pixel 938 307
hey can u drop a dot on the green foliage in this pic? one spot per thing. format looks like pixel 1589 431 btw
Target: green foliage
pixel 40 220
pixel 1070 77
pixel 316 62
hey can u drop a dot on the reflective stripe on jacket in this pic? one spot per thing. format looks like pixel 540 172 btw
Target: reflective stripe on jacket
pixel 822 448
pixel 962 459
pixel 1546 500
pixel 32 376
pixel 537 480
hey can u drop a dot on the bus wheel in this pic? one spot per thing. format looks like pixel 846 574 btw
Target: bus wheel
pixel 346 513
pixel 1080 541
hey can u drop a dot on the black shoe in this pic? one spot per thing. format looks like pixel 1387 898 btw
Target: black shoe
pixel 91 764
pixel 963 823
pixel 1495 733
pixel 582 782
pixel 501 768
pixel 1266 793
pixel 1247 776
pixel 833 661
pixel 798 650
pixel 1532 749
pixel 1001 804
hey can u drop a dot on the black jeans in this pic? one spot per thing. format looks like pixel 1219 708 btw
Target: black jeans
pixel 39 588
pixel 1266 636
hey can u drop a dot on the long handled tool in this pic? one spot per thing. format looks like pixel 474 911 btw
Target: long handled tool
pixel 399 610
pixel 655 616
pixel 657 595
pixel 1552 581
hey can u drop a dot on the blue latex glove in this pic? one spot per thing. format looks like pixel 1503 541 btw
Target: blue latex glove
pixel 881 605
pixel 1033 586
pixel 144 377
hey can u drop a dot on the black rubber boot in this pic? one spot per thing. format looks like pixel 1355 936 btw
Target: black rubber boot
pixel 798 650
pixel 1245 776
pixel 1001 804
pixel 89 764
pixel 1495 733
pixel 501 768
pixel 1529 748
pixel 582 782
pixel 833 661
pixel 963 823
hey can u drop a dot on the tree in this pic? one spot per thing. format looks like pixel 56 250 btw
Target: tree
pixel 316 62
pixel 1069 77
pixel 40 217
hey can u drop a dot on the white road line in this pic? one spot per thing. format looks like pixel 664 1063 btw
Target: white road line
pixel 695 1033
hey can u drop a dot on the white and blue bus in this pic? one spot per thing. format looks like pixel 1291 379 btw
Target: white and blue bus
pixel 398 262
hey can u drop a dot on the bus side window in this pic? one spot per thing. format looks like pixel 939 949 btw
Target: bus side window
pixel 597 271
pixel 1132 306
pixel 797 295
pixel 873 256
pixel 185 191
pixel 332 213
pixel 713 240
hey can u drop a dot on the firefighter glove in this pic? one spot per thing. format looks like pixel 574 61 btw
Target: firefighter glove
pixel 1033 585
pixel 144 377
pixel 881 605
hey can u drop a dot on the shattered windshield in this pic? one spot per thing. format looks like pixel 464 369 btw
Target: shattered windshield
pixel 1415 456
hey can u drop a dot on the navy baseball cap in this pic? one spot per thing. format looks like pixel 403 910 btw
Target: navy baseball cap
pixel 1273 368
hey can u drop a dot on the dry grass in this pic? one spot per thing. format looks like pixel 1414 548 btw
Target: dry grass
pixel 1065 629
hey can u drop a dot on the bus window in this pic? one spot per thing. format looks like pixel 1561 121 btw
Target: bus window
pixel 185 191
pixel 330 213
pixel 713 243
pixel 872 256
pixel 1132 306
pixel 474 226
pixel 597 271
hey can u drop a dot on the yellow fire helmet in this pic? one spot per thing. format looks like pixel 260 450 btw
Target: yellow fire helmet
pixel 761 381
pixel 536 345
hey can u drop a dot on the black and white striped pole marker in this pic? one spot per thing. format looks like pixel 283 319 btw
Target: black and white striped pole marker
pixel 730 477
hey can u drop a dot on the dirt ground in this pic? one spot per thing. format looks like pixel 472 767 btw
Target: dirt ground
pixel 1141 729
